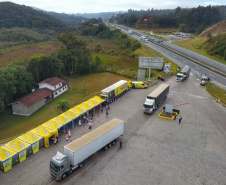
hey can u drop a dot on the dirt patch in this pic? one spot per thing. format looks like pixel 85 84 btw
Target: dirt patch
pixel 218 28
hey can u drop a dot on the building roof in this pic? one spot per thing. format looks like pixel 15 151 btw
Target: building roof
pixel 35 97
pixel 54 81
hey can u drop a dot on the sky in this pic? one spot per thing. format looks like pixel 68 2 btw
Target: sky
pixel 97 6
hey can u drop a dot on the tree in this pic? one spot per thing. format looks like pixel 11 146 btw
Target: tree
pixel 2 106
pixel 63 105
pixel 43 67
pixel 209 36
pixel 74 53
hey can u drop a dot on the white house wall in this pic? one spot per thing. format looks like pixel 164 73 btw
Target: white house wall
pixel 60 91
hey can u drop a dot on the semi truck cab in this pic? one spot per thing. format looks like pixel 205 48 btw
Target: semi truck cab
pixel 60 166
pixel 149 106
pixel 179 77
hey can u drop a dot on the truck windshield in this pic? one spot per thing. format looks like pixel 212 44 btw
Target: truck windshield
pixel 54 166
pixel 103 97
pixel 148 106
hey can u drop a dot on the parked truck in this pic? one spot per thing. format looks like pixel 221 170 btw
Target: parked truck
pixel 138 85
pixel 183 74
pixel 76 152
pixel 111 93
pixel 155 98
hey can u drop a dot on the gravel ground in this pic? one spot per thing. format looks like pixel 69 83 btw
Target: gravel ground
pixel 155 150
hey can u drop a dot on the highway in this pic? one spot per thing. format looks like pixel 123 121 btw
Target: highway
pixel 214 70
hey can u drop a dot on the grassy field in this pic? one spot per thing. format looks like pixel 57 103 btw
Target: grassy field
pixel 13 124
pixel 189 44
pixel 25 51
pixel 216 92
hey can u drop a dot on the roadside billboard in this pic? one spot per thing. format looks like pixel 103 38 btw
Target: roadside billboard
pixel 151 62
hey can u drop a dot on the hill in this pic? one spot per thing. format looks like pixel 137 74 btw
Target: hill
pixel 14 15
pixel 69 19
pixel 218 28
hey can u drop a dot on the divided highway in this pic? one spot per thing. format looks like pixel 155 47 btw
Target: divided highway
pixel 200 64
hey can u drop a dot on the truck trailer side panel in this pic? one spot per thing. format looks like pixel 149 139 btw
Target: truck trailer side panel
pixel 159 93
pixel 82 148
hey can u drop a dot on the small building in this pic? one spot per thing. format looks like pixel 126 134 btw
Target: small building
pixel 48 90
pixel 182 34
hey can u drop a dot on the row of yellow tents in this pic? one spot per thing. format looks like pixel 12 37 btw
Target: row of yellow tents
pixel 31 142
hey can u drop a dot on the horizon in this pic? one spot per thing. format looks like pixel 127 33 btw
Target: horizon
pixel 100 6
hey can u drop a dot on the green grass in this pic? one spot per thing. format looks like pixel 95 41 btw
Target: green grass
pixel 190 44
pixel 13 125
pixel 217 92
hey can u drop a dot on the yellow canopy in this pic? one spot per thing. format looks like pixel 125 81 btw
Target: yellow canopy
pixel 84 107
pixel 17 145
pixel 69 115
pixel 90 103
pixel 46 133
pixel 20 147
pixel 30 137
pixel 6 153
pixel 52 125
pixel 76 110
pixel 97 100
pixel 6 156
pixel 60 120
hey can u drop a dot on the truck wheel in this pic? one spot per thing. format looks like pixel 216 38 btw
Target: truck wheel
pixel 64 175
pixel 106 147
pixel 80 165
pixel 113 142
pixel 109 145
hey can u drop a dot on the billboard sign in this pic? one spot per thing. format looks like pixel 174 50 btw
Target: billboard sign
pixel 151 62
pixel 167 68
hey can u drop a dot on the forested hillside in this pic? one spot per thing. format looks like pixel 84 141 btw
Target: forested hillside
pixel 189 20
pixel 13 15
pixel 69 19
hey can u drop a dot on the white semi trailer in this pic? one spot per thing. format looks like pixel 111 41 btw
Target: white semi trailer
pixel 103 137
pixel 183 74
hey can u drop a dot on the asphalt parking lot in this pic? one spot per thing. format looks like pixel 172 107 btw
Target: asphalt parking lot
pixel 155 150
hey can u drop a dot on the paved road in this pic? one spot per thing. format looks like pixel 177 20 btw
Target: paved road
pixel 180 61
pixel 155 150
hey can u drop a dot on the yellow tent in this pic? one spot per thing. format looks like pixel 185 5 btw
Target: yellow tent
pixel 90 103
pixel 69 115
pixel 36 141
pixel 61 120
pixel 77 110
pixel 84 107
pixel 52 125
pixel 44 132
pixel 21 147
pixel 6 158
pixel 97 100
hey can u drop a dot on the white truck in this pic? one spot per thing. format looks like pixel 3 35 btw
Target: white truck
pixel 103 137
pixel 144 39
pixel 183 74
pixel 155 98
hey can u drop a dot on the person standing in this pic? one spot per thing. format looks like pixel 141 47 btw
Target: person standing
pixel 106 114
pixel 66 137
pixel 90 125
pixel 180 119
pixel 101 109
pixel 106 108
pixel 91 119
pixel 54 140
pixel 120 145
pixel 84 118
pixel 69 133
pixel 80 122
